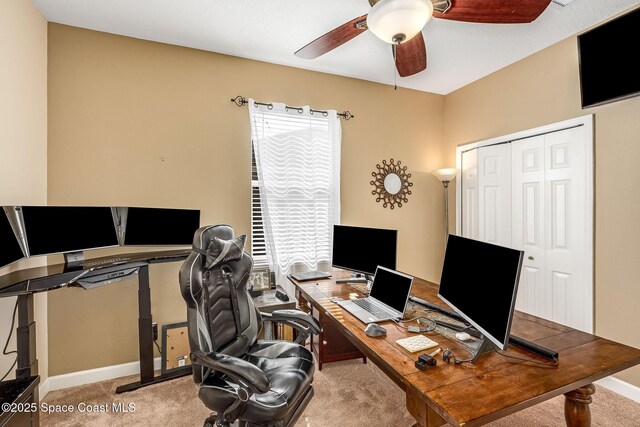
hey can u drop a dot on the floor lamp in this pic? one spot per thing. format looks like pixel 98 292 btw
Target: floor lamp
pixel 445 176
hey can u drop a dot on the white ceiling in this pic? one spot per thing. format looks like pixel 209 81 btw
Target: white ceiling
pixel 458 53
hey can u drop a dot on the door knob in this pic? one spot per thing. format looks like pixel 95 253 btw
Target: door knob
pixel 531 258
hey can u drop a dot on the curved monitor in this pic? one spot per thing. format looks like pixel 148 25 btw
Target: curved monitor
pixel 9 248
pixel 480 282
pixel 55 229
pixel 363 249
pixel 158 226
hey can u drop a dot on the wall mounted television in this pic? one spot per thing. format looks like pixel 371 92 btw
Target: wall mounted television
pixel 609 70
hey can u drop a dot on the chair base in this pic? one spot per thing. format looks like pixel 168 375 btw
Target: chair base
pixel 216 420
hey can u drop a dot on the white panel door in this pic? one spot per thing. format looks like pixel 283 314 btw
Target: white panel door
pixel 528 222
pixel 494 194
pixel 550 209
pixel 570 301
pixel 469 190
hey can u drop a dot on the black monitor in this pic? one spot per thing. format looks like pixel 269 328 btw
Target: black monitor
pixel 9 248
pixel 362 249
pixel 156 226
pixel 54 229
pixel 480 282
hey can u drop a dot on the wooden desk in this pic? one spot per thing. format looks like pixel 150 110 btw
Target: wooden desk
pixel 495 386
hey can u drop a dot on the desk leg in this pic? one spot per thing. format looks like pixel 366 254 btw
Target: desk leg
pixel 145 327
pixel 576 406
pixel 145 340
pixel 424 415
pixel 27 362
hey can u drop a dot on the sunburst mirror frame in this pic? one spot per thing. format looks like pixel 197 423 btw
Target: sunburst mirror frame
pixel 391 183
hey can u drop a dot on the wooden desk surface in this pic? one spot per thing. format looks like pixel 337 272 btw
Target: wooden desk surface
pixel 495 386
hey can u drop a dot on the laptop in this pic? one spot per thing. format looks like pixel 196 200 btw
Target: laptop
pixel 387 300
pixel 310 275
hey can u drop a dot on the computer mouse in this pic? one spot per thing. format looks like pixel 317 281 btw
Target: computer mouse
pixel 463 336
pixel 375 330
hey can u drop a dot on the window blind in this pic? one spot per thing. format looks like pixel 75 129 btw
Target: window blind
pixel 258 245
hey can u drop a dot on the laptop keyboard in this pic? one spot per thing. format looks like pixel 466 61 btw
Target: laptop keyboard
pixel 372 308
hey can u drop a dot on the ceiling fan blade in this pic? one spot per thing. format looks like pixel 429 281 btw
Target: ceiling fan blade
pixel 334 38
pixel 411 56
pixel 495 11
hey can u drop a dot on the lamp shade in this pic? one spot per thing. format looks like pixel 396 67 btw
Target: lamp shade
pixel 445 174
pixel 397 21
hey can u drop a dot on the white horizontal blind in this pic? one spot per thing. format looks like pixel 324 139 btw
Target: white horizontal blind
pixel 298 169
pixel 258 245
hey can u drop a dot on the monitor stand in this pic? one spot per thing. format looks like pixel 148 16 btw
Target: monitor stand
pixel 357 278
pixel 73 259
pixel 486 346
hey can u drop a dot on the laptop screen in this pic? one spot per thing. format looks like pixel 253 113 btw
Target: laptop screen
pixel 391 288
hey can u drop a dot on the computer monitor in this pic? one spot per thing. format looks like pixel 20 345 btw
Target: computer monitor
pixel 480 282
pixel 9 248
pixel 157 226
pixel 362 249
pixel 54 229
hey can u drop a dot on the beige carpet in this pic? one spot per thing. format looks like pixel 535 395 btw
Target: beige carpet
pixel 348 394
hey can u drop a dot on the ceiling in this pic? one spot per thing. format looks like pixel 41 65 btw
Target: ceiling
pixel 458 53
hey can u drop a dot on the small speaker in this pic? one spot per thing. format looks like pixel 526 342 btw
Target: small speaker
pixel 273 280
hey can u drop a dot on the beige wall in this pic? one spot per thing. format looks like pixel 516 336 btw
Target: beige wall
pixel 141 123
pixel 542 89
pixel 23 136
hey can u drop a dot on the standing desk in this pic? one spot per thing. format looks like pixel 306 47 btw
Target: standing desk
pixel 91 273
pixel 473 395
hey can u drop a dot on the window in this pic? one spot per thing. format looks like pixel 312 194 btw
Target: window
pixel 295 185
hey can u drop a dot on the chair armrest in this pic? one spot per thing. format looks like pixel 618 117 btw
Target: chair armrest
pixel 245 373
pixel 297 316
pixel 303 322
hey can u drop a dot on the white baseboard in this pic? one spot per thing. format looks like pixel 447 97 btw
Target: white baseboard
pixel 73 379
pixel 43 389
pixel 622 388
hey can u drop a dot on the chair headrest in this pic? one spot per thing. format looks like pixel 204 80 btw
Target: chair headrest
pixel 217 244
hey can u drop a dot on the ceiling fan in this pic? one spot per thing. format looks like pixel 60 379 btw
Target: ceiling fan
pixel 400 23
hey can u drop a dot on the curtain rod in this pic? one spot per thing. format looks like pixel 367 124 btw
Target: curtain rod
pixel 241 101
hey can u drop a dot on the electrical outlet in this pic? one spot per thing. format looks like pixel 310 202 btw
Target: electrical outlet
pixel 154 326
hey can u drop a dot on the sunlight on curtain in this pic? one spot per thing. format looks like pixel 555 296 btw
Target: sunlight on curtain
pixel 298 165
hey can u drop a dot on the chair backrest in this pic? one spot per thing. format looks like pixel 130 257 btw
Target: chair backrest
pixel 221 315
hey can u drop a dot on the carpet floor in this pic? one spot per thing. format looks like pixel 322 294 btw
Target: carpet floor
pixel 347 394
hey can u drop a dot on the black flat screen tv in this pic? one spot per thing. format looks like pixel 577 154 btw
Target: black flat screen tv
pixel 363 249
pixel 157 226
pixel 54 229
pixel 9 248
pixel 609 66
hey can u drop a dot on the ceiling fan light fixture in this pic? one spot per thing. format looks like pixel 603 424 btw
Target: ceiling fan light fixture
pixel 397 21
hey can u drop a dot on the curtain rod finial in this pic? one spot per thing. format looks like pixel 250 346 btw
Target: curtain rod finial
pixel 239 100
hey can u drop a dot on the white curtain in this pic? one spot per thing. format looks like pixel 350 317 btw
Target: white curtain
pixel 298 163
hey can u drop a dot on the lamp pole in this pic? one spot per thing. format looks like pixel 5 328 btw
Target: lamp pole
pixel 445 176
pixel 446 211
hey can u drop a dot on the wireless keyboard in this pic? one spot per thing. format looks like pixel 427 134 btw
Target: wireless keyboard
pixel 416 343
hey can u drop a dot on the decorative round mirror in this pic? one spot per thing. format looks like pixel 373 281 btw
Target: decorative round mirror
pixel 392 184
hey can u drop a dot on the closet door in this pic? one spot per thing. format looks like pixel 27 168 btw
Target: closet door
pixel 550 225
pixel 567 229
pixel 494 194
pixel 469 193
pixel 528 225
